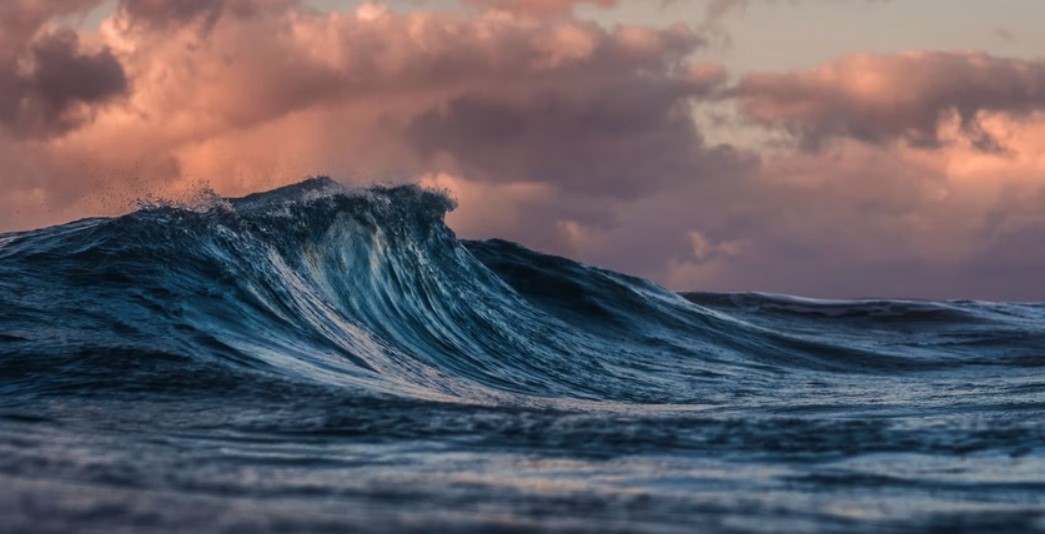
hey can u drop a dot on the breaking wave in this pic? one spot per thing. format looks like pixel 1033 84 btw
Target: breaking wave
pixel 323 358
pixel 368 288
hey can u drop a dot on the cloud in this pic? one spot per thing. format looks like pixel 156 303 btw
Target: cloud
pixel 622 137
pixel 268 94
pixel 850 220
pixel 905 96
pixel 62 85
pixel 539 7
pixel 20 20
pixel 49 82
pixel 165 14
pixel 557 132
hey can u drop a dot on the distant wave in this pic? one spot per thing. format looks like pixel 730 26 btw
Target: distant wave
pixel 368 289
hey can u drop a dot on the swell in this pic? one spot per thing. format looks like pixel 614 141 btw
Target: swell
pixel 369 290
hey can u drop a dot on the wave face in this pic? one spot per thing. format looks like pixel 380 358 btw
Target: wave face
pixel 318 357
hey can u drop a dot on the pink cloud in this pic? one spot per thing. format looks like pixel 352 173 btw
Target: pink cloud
pixel 247 94
pixel 161 14
pixel 557 132
pixel 879 98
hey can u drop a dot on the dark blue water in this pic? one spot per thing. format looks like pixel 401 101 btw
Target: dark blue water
pixel 321 359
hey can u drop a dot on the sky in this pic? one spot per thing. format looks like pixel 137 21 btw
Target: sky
pixel 825 148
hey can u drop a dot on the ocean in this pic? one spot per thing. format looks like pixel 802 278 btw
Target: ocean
pixel 318 358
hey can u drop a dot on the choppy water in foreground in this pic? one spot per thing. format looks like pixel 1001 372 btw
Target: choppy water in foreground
pixel 316 358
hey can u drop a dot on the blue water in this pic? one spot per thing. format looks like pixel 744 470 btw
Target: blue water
pixel 316 358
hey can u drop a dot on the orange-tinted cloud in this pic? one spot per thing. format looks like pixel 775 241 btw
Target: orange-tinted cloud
pixel 879 98
pixel 247 94
pixel 163 14
pixel 860 216
pixel 557 132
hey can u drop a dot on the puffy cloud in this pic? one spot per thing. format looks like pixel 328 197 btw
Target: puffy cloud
pixel 881 98
pixel 560 133
pixel 61 85
pixel 624 138
pixel 857 219
pixel 49 82
pixel 852 219
pixel 271 91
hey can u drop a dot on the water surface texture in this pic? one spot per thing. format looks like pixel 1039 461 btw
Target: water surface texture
pixel 316 358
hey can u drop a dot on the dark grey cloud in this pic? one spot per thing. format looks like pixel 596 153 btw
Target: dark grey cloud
pixel 48 82
pixel 624 140
pixel 62 78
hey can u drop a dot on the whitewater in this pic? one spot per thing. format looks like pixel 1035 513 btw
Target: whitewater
pixel 322 358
